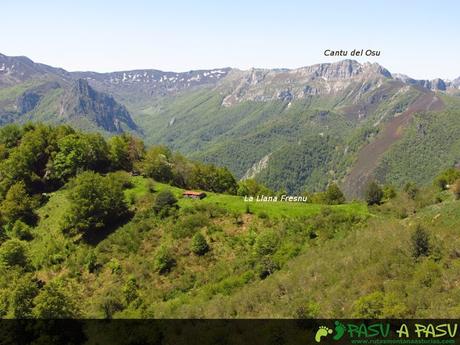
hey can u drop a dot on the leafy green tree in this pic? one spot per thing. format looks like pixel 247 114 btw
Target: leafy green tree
pixel 199 246
pixel 96 202
pixel 125 151
pixel 334 195
pixel 164 202
pixel 78 152
pixel 14 253
pixel 53 302
pixel 22 297
pixel 373 194
pixel 251 187
pixel 18 205
pixel 10 135
pixel 420 242
pixel 29 162
pixel 211 178
pixel 157 164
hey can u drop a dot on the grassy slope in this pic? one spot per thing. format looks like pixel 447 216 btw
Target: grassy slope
pixel 130 251
pixel 329 280
pixel 322 277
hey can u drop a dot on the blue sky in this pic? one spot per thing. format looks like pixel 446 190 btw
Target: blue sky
pixel 418 38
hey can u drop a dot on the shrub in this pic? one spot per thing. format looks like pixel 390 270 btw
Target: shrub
pixel 164 202
pixel 334 195
pixel 266 243
pixel 266 267
pixel 447 177
pixel 164 260
pixel 373 194
pixel 14 253
pixel 420 242
pixel 389 192
pixel 53 302
pixel 189 225
pixel 262 215
pixel 369 306
pixel 411 189
pixel 130 290
pixel 21 231
pixel 199 246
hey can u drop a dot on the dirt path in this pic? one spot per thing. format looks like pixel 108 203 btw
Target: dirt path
pixel 370 155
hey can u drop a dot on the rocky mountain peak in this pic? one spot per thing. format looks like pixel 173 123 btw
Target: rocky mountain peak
pixel 99 107
pixel 434 85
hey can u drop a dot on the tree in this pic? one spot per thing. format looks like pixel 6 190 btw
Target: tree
pixel 334 195
pixel 125 151
pixel 373 194
pixel 420 242
pixel 18 205
pixel 22 297
pixel 130 290
pixel 157 164
pixel 96 202
pixel 251 187
pixel 211 178
pixel 14 253
pixel 10 135
pixel 164 201
pixel 411 189
pixel 164 260
pixel 446 178
pixel 78 152
pixel 199 246
pixel 53 302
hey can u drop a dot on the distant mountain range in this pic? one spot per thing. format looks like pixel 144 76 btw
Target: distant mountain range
pixel 293 129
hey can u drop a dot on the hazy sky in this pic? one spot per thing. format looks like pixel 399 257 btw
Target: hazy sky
pixel 418 38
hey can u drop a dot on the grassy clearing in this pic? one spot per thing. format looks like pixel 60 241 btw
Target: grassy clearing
pixel 237 204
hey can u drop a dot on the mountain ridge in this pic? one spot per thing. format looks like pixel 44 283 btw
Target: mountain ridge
pixel 292 129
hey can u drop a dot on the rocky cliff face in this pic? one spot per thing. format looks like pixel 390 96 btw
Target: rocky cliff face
pixel 83 101
pixel 287 85
pixel 433 85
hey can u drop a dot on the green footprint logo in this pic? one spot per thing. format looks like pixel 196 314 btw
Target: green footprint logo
pixel 323 331
pixel 339 330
